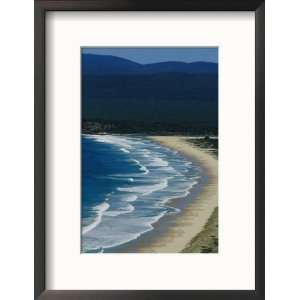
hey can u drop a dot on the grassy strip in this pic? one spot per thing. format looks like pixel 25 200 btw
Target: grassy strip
pixel 207 240
pixel 207 144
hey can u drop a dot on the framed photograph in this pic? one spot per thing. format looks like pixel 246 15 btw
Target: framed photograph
pixel 149 149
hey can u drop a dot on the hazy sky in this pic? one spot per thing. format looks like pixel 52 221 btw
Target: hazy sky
pixel 152 55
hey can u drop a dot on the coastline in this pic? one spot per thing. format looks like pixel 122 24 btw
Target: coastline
pixel 195 228
pixel 186 229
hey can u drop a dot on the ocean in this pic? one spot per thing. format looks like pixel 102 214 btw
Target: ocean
pixel 128 183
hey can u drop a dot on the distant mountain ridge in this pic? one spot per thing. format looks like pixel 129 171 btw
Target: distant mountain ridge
pixel 101 65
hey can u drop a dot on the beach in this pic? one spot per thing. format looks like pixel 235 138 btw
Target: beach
pixel 195 227
pixel 158 194
pixel 149 150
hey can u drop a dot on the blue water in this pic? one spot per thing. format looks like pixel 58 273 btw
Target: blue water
pixel 127 185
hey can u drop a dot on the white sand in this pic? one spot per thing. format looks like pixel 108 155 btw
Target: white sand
pixel 194 217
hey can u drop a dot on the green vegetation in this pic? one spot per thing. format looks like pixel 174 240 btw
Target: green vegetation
pixel 207 240
pixel 149 128
pixel 207 143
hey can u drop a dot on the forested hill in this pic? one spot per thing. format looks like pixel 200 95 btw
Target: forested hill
pixel 114 88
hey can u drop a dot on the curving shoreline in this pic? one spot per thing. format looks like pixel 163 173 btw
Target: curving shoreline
pixel 194 218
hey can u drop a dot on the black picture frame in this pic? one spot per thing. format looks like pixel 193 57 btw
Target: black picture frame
pixel 41 8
